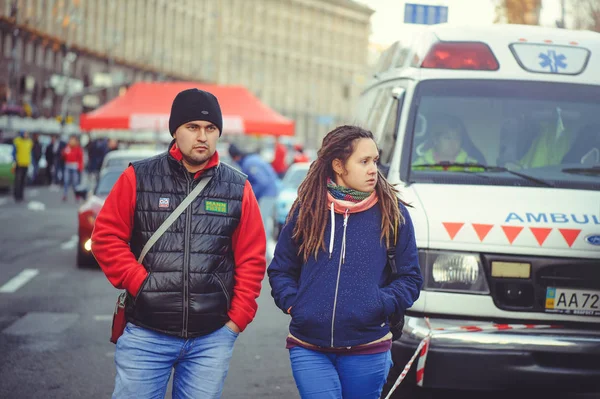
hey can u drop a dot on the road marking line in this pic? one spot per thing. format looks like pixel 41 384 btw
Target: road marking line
pixel 19 280
pixel 36 206
pixel 71 244
pixel 103 317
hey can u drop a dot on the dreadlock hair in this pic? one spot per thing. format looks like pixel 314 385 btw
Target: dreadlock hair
pixel 311 202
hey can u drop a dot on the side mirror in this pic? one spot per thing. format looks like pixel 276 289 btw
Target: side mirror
pixel 398 92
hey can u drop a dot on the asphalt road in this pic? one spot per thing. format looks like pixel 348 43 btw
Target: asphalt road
pixel 55 318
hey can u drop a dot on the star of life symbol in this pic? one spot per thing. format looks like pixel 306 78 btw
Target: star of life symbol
pixel 553 60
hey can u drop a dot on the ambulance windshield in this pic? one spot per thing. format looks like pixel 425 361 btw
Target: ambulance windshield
pixel 506 133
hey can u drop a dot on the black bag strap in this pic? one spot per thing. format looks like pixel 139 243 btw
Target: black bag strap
pixel 173 216
pixel 391 251
pixel 396 319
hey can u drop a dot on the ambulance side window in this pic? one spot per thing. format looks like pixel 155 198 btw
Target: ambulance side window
pixel 378 111
pixel 365 106
pixel 387 142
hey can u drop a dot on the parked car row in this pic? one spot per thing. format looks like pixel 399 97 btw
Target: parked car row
pixel 113 166
pixel 292 179
pixel 6 161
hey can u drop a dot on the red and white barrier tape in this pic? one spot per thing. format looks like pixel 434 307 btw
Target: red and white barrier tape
pixel 407 367
pixel 423 348
pixel 423 354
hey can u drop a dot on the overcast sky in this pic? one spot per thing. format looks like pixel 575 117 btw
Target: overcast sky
pixel 390 13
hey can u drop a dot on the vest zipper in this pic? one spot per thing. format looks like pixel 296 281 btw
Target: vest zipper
pixel 186 262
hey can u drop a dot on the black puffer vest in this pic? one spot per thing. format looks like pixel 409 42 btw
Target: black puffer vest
pixel 190 283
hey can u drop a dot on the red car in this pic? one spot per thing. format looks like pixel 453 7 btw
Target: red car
pixel 88 212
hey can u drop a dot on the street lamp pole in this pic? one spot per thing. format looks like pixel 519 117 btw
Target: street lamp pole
pixel 13 62
pixel 85 91
pixel 560 23
pixel 68 60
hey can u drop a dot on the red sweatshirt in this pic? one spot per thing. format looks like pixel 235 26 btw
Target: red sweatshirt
pixel 113 228
pixel 73 155
pixel 279 164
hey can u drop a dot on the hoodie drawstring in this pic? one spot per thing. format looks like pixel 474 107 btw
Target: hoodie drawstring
pixel 346 216
pixel 332 233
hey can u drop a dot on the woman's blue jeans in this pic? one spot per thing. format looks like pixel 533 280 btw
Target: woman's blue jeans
pixel 322 375
pixel 145 358
pixel 71 178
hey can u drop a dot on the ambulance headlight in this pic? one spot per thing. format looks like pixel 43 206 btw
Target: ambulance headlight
pixel 454 271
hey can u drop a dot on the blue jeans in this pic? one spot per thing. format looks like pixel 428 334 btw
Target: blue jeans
pixel 145 358
pixel 321 375
pixel 71 178
pixel 59 172
pixel 36 169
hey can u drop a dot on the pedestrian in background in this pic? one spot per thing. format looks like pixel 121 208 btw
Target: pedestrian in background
pixel 36 156
pixel 97 149
pixel 330 273
pixel 262 177
pixel 50 160
pixel 196 288
pixel 73 157
pixel 299 155
pixel 279 163
pixel 22 149
pixel 113 145
pixel 59 163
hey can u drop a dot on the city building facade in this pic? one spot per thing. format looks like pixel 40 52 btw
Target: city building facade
pixel 307 59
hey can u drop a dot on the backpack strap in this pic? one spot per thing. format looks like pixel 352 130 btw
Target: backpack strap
pixel 391 251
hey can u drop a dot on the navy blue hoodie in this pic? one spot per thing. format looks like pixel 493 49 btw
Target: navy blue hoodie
pixel 342 304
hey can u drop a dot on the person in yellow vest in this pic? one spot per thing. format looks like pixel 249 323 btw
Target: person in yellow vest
pixel 22 159
pixel 446 146
pixel 549 147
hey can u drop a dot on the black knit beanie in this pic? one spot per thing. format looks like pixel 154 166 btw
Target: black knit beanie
pixel 195 105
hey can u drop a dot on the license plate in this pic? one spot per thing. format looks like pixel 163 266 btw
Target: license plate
pixel 570 301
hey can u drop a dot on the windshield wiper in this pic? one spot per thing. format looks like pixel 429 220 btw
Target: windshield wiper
pixel 483 168
pixel 589 171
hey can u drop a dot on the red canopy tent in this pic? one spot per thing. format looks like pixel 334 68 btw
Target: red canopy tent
pixel 146 106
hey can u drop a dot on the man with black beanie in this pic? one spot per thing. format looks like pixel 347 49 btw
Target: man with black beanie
pixel 196 288
pixel 195 104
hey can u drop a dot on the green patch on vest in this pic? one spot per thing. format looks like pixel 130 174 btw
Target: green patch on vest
pixel 216 206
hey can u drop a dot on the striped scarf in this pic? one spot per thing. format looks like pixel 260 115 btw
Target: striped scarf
pixel 345 193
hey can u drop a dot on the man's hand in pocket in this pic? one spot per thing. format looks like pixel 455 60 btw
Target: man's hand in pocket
pixel 233 326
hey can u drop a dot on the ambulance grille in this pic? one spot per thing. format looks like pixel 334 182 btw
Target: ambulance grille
pixel 571 276
pixel 529 294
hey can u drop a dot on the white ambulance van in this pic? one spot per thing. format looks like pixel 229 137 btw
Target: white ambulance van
pixel 492 134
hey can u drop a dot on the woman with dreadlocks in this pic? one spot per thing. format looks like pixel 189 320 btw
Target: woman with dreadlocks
pixel 329 270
